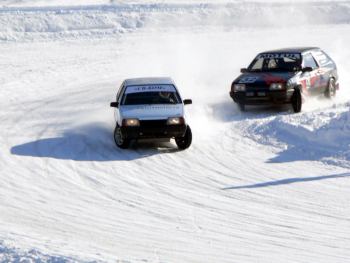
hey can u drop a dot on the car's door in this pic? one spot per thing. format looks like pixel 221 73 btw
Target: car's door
pixel 312 78
pixel 118 99
pixel 326 68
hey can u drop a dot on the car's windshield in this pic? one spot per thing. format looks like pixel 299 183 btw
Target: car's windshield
pixel 150 94
pixel 284 62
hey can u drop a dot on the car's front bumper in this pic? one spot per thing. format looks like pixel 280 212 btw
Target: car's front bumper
pixel 262 97
pixel 153 130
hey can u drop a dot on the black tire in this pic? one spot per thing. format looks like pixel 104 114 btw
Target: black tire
pixel 184 142
pixel 297 101
pixel 331 89
pixel 241 106
pixel 119 140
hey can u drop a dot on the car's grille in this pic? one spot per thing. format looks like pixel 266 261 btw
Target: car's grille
pixel 152 123
pixel 256 87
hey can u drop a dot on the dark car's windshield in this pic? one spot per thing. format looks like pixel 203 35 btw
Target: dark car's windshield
pixel 273 62
pixel 150 94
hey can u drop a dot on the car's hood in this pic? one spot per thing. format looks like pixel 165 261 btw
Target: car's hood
pixel 264 78
pixel 152 112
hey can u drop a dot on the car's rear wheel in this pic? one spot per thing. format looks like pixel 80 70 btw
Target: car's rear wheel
pixel 297 101
pixel 331 89
pixel 185 141
pixel 119 140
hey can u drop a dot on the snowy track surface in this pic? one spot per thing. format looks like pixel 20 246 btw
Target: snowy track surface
pixel 261 186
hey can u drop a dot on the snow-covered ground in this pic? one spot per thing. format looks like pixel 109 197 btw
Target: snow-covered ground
pixel 106 2
pixel 266 185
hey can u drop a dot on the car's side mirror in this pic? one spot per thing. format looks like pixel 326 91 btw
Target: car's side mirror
pixel 114 104
pixel 187 101
pixel 307 69
pixel 244 70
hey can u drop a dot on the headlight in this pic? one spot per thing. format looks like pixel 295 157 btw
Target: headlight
pixel 276 86
pixel 238 87
pixel 176 121
pixel 131 122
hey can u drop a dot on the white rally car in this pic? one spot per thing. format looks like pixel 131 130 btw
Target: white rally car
pixel 150 108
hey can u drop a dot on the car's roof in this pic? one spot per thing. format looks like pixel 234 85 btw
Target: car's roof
pixel 291 50
pixel 149 81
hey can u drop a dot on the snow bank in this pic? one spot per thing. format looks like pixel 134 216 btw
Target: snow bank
pixel 322 135
pixel 86 2
pixel 8 254
pixel 111 19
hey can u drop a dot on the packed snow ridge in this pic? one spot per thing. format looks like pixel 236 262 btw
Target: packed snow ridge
pixel 320 135
pixel 13 255
pixel 18 23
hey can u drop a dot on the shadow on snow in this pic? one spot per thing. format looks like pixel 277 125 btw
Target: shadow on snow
pixel 288 181
pixel 89 143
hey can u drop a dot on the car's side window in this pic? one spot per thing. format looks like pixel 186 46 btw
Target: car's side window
pixel 119 92
pixel 322 58
pixel 309 61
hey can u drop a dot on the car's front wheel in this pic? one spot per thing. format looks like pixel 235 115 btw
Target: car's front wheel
pixel 241 106
pixel 185 141
pixel 331 89
pixel 119 140
pixel 297 101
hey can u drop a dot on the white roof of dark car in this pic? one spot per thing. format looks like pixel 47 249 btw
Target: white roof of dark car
pixel 292 50
pixel 148 81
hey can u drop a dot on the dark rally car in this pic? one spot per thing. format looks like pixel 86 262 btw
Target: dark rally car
pixel 285 76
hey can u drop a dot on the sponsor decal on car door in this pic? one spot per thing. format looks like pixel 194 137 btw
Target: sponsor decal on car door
pixel 312 79
pixel 325 69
